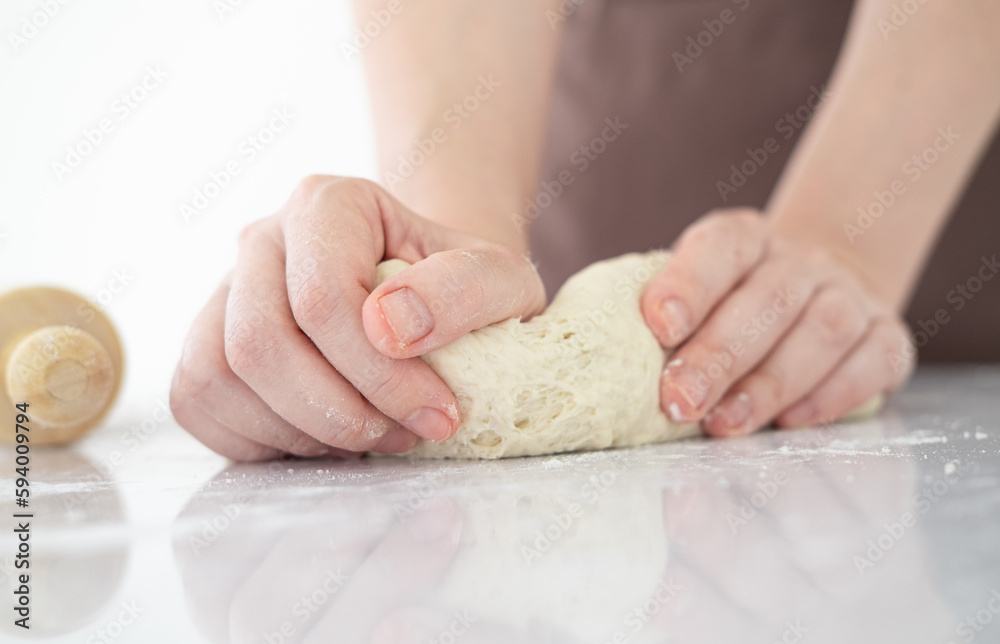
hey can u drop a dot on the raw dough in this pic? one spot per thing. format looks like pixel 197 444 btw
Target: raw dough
pixel 583 375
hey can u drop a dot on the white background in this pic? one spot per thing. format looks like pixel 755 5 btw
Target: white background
pixel 119 210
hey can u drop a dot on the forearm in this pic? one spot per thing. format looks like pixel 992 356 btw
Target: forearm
pixel 460 93
pixel 908 115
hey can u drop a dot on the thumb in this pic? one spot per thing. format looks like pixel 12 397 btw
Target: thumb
pixel 441 298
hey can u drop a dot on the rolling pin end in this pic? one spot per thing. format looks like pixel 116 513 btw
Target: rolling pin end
pixel 66 375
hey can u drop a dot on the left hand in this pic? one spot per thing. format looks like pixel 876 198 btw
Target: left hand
pixel 767 328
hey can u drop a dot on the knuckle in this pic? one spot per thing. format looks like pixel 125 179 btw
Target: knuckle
pixel 299 443
pixel 366 432
pixel 314 183
pixel 733 234
pixel 771 383
pixel 895 344
pixel 355 189
pixel 180 399
pixel 255 232
pixel 687 288
pixel 380 380
pixel 820 258
pixel 314 303
pixel 749 221
pixel 357 184
pixel 391 388
pixel 837 320
pixel 194 381
pixel 738 216
pixel 246 234
pixel 355 433
pixel 712 359
pixel 704 230
pixel 463 295
pixel 249 345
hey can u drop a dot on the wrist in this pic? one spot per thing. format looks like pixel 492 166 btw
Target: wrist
pixel 468 201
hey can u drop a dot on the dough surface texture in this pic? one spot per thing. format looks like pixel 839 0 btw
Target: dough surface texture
pixel 582 375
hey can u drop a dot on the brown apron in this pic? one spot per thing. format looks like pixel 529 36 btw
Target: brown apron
pixel 655 101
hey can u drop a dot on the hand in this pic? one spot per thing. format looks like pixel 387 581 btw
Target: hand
pixel 298 352
pixel 767 328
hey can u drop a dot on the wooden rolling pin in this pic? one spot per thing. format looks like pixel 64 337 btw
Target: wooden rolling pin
pixel 62 356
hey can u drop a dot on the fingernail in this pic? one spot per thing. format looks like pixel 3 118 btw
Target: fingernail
pixel 407 315
pixel 430 424
pixel 686 392
pixel 435 520
pixel 799 415
pixel 396 441
pixel 676 320
pixel 729 417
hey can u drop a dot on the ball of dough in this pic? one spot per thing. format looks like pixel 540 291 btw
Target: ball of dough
pixel 583 375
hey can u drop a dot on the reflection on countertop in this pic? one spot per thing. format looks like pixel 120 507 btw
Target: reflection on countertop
pixel 883 530
pixel 72 555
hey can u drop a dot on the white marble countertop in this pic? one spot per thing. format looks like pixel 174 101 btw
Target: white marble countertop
pixel 886 530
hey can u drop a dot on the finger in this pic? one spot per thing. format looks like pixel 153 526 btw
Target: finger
pixel 711 257
pixel 266 349
pixel 876 366
pixel 399 571
pixel 215 436
pixel 832 324
pixel 735 338
pixel 333 242
pixel 202 377
pixel 232 402
pixel 441 298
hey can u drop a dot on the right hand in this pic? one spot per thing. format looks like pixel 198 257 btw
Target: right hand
pixel 298 352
